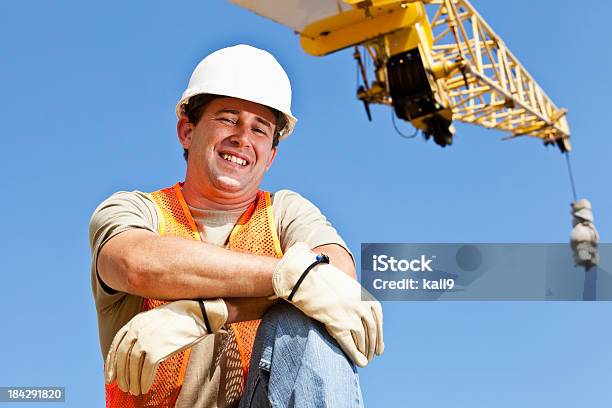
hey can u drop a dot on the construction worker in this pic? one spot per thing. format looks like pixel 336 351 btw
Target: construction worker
pixel 213 293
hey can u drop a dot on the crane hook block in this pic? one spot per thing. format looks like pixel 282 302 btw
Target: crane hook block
pixel 584 238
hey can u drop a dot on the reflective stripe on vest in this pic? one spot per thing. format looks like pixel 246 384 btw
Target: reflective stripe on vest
pixel 255 233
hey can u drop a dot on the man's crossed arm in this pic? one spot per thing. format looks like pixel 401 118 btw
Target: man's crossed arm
pixel 145 264
pixel 174 268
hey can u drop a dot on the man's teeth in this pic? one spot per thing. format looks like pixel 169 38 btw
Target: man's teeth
pixel 234 159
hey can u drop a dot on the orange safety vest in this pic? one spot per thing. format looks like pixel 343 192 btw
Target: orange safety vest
pixel 255 233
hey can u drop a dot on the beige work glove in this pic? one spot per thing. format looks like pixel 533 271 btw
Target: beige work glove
pixel 152 336
pixel 332 297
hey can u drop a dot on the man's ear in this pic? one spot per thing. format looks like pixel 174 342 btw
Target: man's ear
pixel 184 130
pixel 272 156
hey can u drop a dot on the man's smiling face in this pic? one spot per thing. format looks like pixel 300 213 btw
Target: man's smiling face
pixel 230 148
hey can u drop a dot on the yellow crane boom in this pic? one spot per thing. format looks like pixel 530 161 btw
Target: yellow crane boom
pixel 431 71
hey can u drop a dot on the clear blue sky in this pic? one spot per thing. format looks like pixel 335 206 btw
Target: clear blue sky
pixel 88 92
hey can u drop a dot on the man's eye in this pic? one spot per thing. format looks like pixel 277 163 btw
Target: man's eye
pixel 228 120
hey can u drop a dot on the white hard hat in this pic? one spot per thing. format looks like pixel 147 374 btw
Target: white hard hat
pixel 243 72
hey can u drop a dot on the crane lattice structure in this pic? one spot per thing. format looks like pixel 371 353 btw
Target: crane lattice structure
pixel 491 88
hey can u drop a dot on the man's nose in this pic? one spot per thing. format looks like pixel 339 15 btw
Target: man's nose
pixel 240 136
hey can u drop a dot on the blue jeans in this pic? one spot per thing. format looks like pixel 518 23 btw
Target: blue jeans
pixel 296 363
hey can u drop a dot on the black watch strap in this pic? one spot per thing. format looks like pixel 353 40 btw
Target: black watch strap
pixel 205 315
pixel 322 258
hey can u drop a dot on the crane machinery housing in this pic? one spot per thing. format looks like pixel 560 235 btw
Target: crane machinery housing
pixel 431 71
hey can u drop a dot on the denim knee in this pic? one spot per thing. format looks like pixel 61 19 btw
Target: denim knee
pixel 285 324
pixel 290 319
pixel 301 362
